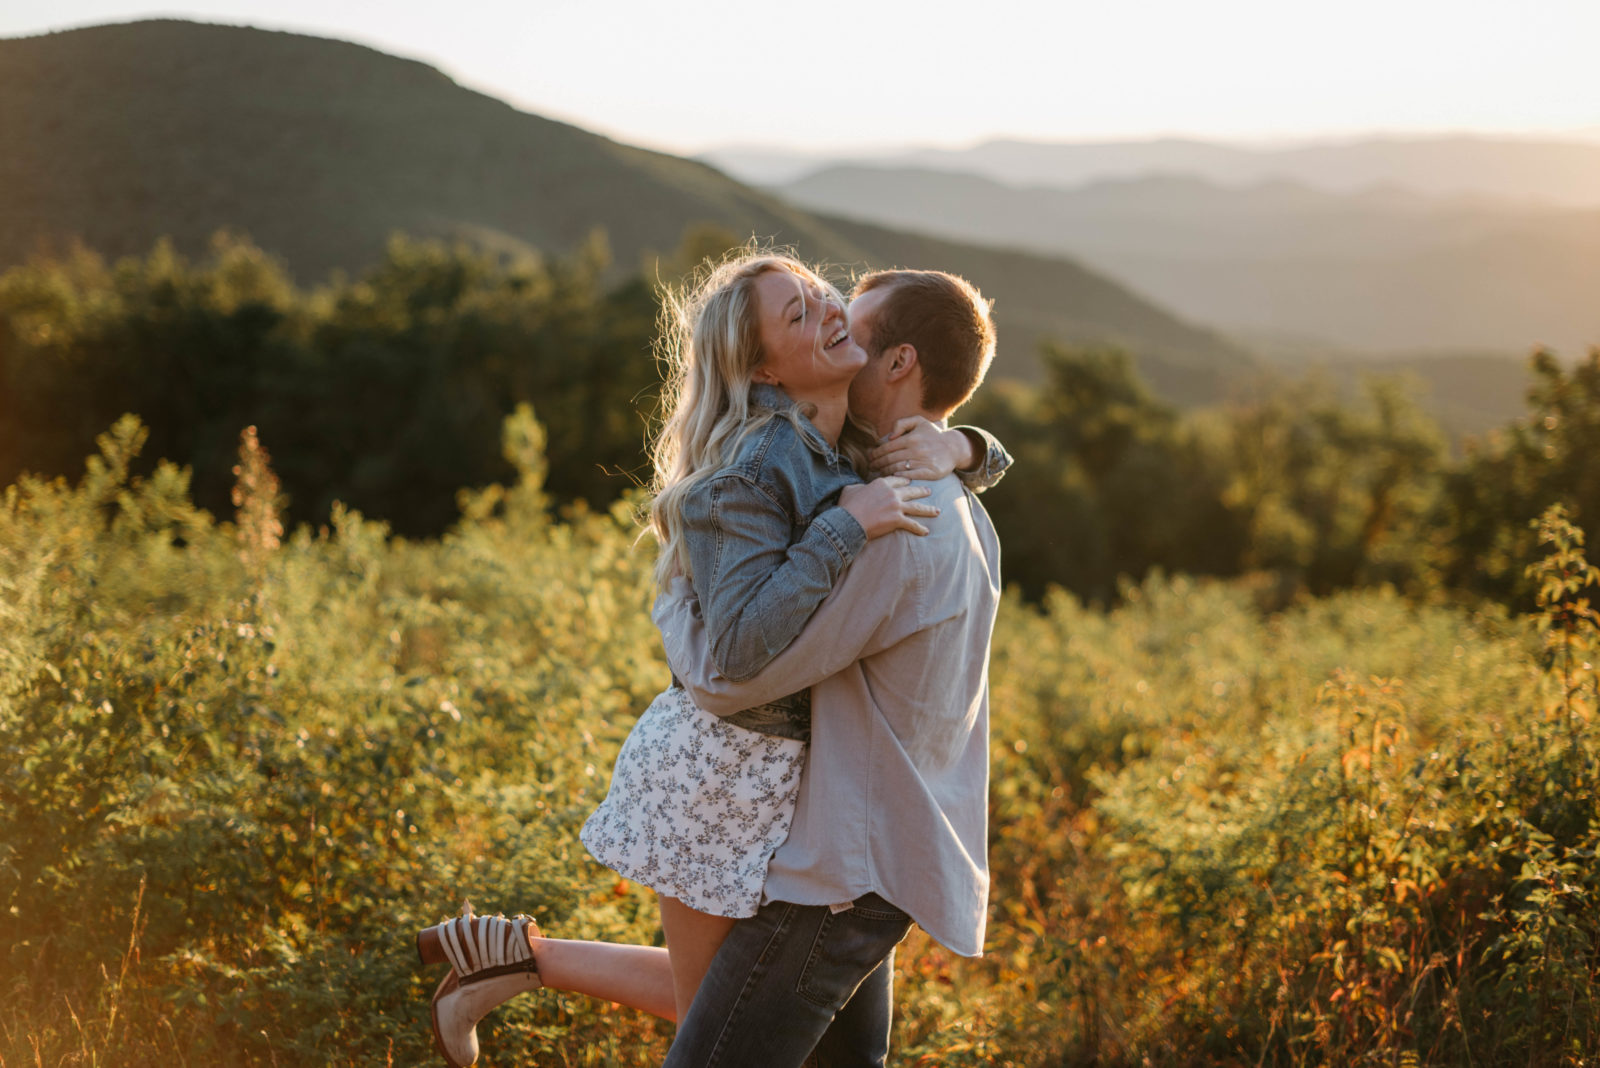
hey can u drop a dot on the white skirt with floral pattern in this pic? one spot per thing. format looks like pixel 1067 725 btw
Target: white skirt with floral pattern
pixel 696 806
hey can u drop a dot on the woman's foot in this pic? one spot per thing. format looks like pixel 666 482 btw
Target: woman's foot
pixel 491 961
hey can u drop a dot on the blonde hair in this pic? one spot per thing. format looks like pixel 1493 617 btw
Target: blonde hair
pixel 710 342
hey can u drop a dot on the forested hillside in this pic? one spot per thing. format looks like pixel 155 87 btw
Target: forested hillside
pixel 320 150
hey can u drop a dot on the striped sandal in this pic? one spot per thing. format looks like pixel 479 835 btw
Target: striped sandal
pixel 491 961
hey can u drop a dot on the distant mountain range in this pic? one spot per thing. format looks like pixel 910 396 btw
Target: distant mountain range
pixel 1556 172
pixel 320 149
pixel 1381 270
pixel 1447 259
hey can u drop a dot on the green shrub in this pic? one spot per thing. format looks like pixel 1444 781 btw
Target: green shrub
pixel 238 769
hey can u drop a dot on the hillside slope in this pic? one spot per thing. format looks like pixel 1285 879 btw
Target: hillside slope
pixel 320 149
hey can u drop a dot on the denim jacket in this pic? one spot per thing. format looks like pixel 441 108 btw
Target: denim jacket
pixel 767 541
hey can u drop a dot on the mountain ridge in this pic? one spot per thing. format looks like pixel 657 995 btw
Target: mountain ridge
pixel 1561 171
pixel 320 149
pixel 1378 270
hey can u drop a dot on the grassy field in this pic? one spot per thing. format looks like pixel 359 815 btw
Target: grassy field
pixel 239 767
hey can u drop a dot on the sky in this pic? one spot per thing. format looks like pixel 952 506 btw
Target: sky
pixel 872 74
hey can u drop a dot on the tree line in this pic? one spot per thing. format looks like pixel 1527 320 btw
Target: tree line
pixel 387 392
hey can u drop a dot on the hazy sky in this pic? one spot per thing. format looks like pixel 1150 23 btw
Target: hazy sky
pixel 688 76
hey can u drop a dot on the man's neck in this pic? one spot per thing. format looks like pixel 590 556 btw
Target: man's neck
pixel 889 418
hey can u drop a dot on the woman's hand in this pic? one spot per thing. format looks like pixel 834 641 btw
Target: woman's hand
pixel 887 504
pixel 916 448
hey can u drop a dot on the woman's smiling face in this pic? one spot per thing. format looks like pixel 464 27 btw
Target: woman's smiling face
pixel 805 337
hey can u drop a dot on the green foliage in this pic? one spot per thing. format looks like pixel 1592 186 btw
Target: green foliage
pixel 82 342
pixel 1105 484
pixel 1507 480
pixel 235 773
pixel 1393 865
pixel 1333 495
pixel 386 392
pixel 237 770
pixel 1294 485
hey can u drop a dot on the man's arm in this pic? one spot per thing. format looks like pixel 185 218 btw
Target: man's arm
pixel 873 607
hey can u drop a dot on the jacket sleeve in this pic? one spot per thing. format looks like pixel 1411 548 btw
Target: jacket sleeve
pixel 992 463
pixel 756 588
pixel 875 606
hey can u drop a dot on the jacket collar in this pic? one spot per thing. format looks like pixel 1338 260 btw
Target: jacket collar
pixel 769 396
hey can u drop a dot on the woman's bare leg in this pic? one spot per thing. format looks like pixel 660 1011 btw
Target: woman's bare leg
pixel 693 938
pixel 639 977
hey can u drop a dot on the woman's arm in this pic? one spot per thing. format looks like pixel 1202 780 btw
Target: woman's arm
pixel 875 606
pixel 917 448
pixel 757 589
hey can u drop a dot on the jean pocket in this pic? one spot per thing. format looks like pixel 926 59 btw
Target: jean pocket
pixel 847 947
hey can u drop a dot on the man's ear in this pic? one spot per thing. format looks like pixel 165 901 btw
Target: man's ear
pixel 899 362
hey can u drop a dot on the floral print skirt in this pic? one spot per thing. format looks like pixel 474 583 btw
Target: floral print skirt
pixel 696 806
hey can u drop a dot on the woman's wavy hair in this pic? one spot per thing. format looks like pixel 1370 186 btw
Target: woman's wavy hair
pixel 710 345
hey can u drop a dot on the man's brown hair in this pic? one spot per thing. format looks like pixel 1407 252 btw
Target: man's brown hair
pixel 945 319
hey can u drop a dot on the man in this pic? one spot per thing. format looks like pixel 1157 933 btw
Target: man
pixel 890 826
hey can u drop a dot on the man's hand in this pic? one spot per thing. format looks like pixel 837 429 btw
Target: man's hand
pixel 887 504
pixel 916 448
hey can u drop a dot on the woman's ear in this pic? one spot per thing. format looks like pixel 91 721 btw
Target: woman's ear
pixel 763 374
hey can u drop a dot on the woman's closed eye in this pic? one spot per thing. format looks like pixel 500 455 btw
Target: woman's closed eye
pixel 805 305
pixel 798 303
pixel 815 298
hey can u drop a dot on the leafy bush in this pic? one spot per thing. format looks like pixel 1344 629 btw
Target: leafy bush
pixel 238 769
pixel 385 391
pixel 236 776
pixel 1359 831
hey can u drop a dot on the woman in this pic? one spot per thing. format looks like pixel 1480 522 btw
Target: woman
pixel 756 503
